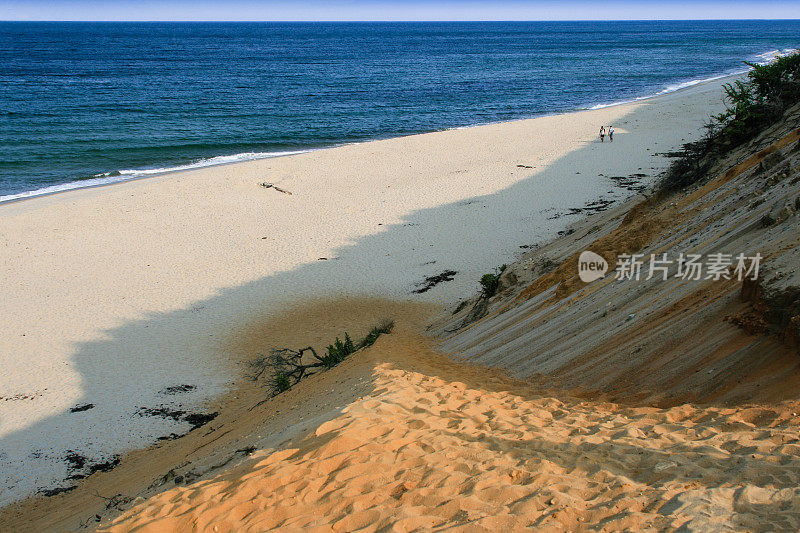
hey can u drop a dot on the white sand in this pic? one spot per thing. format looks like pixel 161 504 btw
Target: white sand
pixel 111 294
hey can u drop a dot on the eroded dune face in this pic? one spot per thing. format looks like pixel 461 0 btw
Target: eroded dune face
pixel 436 443
pixel 662 338
pixel 423 450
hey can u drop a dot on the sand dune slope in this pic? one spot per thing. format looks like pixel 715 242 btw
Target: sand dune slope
pixel 661 339
pixel 423 451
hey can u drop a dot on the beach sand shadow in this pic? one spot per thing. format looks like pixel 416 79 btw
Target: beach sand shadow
pixel 457 237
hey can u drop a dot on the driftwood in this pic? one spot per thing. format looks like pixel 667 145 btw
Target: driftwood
pixel 286 367
pixel 267 185
pixel 289 364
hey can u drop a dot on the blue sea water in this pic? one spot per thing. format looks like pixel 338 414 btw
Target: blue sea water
pixel 84 103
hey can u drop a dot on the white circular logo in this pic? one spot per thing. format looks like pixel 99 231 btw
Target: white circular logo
pixel 591 266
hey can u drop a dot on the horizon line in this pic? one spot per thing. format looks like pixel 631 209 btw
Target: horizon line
pixel 283 21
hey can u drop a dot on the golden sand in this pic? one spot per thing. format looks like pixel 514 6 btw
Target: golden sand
pixel 424 451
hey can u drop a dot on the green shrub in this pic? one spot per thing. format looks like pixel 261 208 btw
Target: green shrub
pixel 382 328
pixel 287 366
pixel 338 351
pixel 280 382
pixel 491 282
pixel 778 80
pixel 752 105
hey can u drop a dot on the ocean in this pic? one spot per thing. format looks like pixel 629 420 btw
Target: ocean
pixel 88 103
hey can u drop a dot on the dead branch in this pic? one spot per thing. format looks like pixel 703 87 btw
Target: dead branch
pixel 267 185
pixel 288 364
pixel 286 367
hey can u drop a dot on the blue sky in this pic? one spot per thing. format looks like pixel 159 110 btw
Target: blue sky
pixel 394 10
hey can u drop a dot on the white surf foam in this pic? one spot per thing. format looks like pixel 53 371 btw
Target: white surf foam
pixel 760 59
pixel 130 174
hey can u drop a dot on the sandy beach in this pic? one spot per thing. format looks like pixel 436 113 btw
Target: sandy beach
pixel 122 300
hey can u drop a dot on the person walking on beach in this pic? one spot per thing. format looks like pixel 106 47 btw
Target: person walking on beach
pixel 602 134
pixel 611 134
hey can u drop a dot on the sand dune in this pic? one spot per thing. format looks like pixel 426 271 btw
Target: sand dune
pixel 113 295
pixel 423 450
pixel 663 341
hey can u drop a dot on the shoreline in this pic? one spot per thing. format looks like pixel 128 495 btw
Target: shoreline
pixel 112 302
pixel 149 173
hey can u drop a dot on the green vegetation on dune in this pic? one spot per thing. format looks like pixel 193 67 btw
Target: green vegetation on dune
pixel 286 367
pixel 491 282
pixel 752 105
